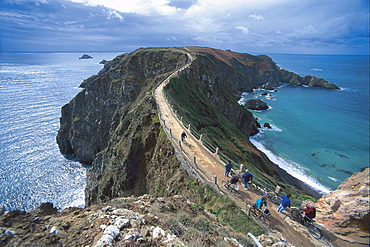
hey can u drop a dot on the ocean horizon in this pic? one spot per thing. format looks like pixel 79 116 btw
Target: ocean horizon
pixel 319 136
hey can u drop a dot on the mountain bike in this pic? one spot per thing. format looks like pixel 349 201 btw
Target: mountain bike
pixel 260 215
pixel 275 198
pixel 231 190
pixel 297 215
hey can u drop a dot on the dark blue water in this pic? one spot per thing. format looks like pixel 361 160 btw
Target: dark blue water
pixel 320 136
pixel 33 88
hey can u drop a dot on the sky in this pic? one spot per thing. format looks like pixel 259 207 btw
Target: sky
pixel 250 26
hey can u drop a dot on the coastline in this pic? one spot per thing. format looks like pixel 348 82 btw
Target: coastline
pixel 297 183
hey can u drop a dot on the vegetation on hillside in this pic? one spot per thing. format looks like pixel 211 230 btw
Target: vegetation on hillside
pixel 220 132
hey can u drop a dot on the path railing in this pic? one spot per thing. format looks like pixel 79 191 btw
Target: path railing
pixel 189 162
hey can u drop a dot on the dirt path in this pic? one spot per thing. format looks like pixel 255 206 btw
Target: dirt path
pixel 208 162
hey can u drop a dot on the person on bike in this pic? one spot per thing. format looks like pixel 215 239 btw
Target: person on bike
pixel 247 176
pixel 183 136
pixel 234 181
pixel 228 167
pixel 260 202
pixel 285 203
pixel 309 212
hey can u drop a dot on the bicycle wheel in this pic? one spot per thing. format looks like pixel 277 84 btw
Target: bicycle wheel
pixel 276 199
pixel 252 186
pixel 262 192
pixel 296 215
pixel 314 231
pixel 265 221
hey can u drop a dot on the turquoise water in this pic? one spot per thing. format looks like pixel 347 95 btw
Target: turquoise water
pixel 33 88
pixel 320 136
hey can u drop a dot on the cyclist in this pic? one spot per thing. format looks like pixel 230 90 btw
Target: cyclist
pixel 228 167
pixel 309 212
pixel 234 181
pixel 247 176
pixel 285 202
pixel 183 136
pixel 259 204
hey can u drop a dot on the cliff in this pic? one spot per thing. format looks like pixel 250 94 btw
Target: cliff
pixel 112 124
pixel 345 211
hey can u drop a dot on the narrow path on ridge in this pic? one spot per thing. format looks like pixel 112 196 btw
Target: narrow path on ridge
pixel 293 232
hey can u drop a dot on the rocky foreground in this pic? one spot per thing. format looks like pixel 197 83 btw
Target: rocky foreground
pixel 134 221
pixel 345 211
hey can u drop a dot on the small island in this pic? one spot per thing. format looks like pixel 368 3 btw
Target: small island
pixel 85 56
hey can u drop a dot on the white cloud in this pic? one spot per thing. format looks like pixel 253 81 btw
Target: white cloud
pixel 111 14
pixel 244 29
pixel 257 17
pixel 145 7
pixel 173 38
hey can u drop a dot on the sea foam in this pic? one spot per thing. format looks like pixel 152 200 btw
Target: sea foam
pixel 293 169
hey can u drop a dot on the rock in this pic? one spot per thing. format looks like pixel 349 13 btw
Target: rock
pixel 121 222
pixel 2 209
pixel 103 61
pixel 46 208
pixel 346 210
pixel 54 230
pixel 85 56
pixel 267 86
pixel 267 125
pixel 112 230
pixel 256 104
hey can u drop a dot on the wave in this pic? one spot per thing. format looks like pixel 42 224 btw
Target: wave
pixel 293 169
pixel 316 69
pixel 348 89
pixel 334 179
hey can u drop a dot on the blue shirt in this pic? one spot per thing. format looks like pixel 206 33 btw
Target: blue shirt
pixel 247 176
pixel 229 166
pixel 259 203
pixel 285 201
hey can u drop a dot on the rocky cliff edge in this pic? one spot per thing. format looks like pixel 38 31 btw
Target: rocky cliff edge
pixel 345 211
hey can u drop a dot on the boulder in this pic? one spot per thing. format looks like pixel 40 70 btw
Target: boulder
pixel 345 211
pixel 256 104
pixel 267 125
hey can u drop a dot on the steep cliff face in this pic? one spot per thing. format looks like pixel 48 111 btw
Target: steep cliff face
pixel 90 119
pixel 113 125
pixel 345 211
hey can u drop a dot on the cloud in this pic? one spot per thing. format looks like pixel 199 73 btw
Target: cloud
pixel 111 14
pixel 257 17
pixel 243 25
pixel 244 29
pixel 144 7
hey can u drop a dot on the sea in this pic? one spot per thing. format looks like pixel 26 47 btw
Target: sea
pixel 320 136
pixel 33 88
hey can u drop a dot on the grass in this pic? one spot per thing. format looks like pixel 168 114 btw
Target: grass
pixel 220 132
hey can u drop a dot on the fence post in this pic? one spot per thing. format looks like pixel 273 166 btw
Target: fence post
pixel 171 133
pixel 200 138
pixel 215 179
pixel 189 128
pixel 180 145
pixel 277 189
pixel 248 209
pixel 216 153
pixel 195 160
pixel 181 119
pixel 241 168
